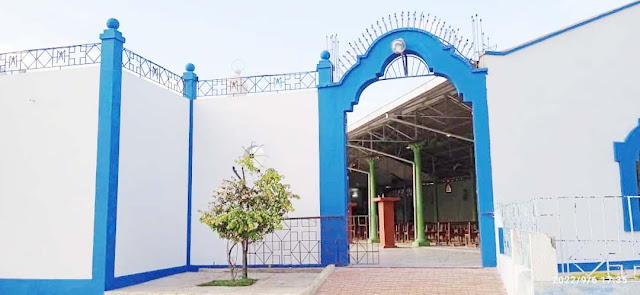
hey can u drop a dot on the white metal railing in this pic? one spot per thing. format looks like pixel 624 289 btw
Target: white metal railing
pixel 588 231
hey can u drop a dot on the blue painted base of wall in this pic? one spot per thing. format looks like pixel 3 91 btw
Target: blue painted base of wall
pixel 90 287
pixel 63 287
pixel 195 268
pixel 138 278
pixel 334 246
pixel 589 266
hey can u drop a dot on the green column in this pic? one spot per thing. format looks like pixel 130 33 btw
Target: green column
pixel 419 239
pixel 373 209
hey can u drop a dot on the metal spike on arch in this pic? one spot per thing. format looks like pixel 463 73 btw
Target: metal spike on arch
pixel 469 48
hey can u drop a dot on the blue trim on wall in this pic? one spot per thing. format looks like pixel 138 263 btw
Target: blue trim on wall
pixel 194 268
pixel 551 35
pixel 589 266
pixel 38 286
pixel 190 181
pixel 626 154
pixel 335 99
pixel 501 240
pixel 190 92
pixel 128 280
pixel 108 153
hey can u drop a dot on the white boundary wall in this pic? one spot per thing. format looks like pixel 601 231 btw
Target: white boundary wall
pixel 151 229
pixel 48 126
pixel 555 109
pixel 285 123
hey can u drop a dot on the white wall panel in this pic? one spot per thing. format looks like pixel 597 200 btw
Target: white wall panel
pixel 152 185
pixel 557 107
pixel 285 123
pixel 48 126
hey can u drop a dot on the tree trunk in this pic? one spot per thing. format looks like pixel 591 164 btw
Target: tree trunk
pixel 245 249
pixel 232 265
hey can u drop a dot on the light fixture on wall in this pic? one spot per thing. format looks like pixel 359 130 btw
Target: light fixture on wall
pixel 354 193
pixel 256 154
pixel 398 46
pixel 447 187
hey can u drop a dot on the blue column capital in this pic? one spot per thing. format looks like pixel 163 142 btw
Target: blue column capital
pixel 190 78
pixel 325 69
pixel 112 31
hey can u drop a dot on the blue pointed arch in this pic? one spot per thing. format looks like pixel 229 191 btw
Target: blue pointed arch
pixel 335 99
pixel 627 154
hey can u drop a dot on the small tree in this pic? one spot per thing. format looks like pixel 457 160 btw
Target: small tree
pixel 244 211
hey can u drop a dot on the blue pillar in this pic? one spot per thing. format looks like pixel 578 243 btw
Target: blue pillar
pixel 333 165
pixel 325 69
pixel 484 182
pixel 190 91
pixel 104 245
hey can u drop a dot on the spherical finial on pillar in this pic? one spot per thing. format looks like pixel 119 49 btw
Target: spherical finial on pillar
pixel 113 23
pixel 325 55
pixel 190 67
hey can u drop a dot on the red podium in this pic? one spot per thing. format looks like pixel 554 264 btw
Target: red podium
pixel 386 219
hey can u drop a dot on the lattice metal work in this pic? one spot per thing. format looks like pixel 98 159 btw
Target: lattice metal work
pixel 258 84
pixel 406 65
pixel 363 252
pixel 585 230
pixel 360 250
pixel 297 243
pixel 151 71
pixel 49 58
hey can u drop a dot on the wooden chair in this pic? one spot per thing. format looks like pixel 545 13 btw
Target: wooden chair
pixel 457 234
pixel 408 231
pixel 397 232
pixel 444 234
pixel 431 231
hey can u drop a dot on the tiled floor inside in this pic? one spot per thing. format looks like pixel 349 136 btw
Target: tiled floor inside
pixel 407 256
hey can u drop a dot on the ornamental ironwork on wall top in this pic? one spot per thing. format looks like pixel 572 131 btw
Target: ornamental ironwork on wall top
pixel 50 58
pixel 258 84
pixel 149 70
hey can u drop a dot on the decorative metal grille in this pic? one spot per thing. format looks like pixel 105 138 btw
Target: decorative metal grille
pixel 48 58
pixel 584 230
pixel 298 242
pixel 258 84
pixel 360 250
pixel 151 71
pixel 363 252
pixel 406 65
pixel 521 216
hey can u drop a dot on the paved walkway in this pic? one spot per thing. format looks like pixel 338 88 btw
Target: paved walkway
pixel 405 281
pixel 269 283
pixel 407 256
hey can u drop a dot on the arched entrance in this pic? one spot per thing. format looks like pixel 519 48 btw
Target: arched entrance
pixel 627 154
pixel 337 98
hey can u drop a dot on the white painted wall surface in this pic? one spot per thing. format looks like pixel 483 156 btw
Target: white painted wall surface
pixel 152 185
pixel 555 109
pixel 285 123
pixel 48 126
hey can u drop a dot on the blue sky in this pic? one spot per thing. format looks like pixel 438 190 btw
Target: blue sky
pixel 268 36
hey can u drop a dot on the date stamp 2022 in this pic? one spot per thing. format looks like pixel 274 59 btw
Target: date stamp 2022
pixel 589 280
